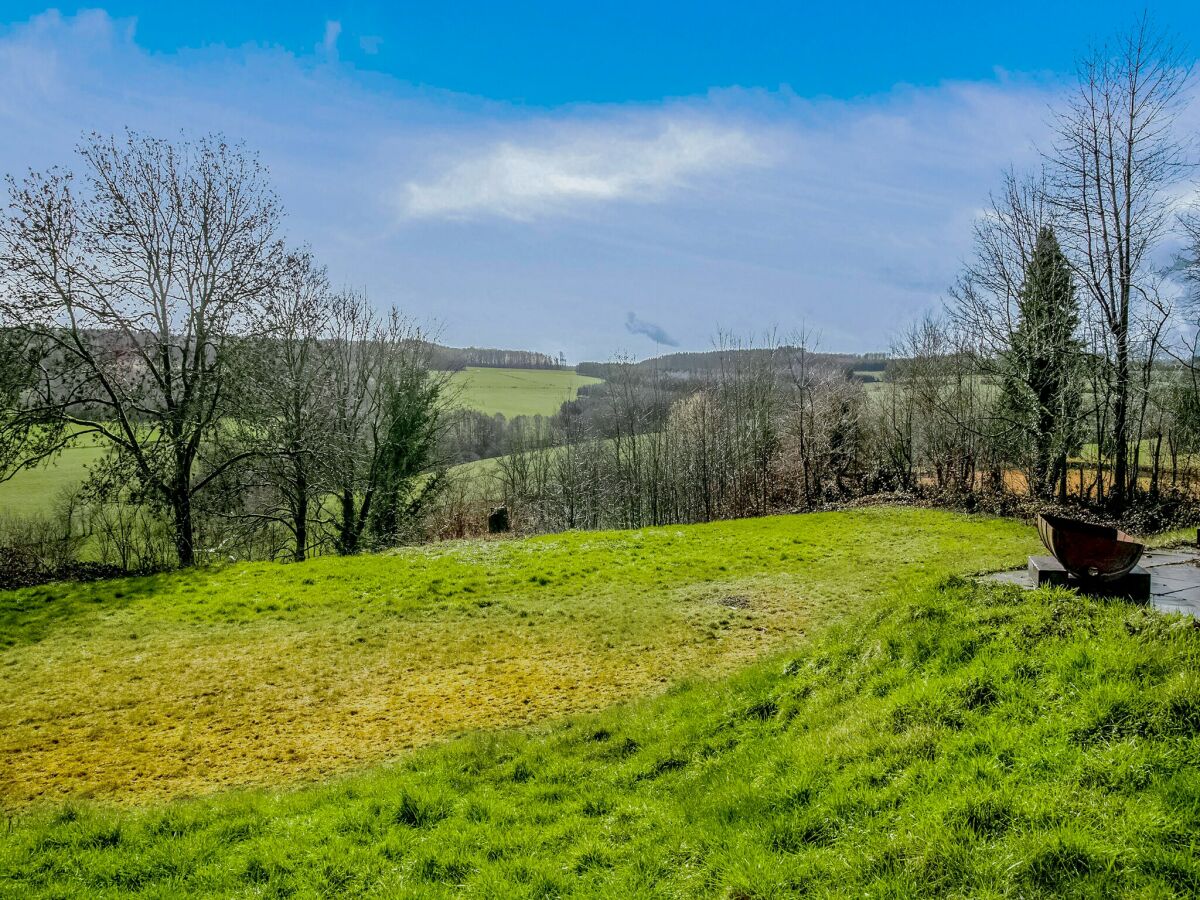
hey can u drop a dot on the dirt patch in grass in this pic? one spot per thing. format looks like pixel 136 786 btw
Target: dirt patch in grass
pixel 734 601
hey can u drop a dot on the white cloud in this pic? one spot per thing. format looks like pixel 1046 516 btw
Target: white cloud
pixel 576 166
pixel 333 30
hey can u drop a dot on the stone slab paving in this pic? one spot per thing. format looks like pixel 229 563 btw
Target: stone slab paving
pixel 1174 579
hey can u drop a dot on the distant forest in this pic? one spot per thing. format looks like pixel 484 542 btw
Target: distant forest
pixel 695 364
pixel 451 359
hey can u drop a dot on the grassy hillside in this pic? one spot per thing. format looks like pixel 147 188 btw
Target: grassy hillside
pixel 190 682
pixel 943 740
pixel 518 392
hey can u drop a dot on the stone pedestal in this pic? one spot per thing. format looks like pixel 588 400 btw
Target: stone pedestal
pixel 1046 570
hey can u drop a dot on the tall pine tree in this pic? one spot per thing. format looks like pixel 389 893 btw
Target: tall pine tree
pixel 1041 396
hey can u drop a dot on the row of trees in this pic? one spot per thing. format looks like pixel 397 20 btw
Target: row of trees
pixel 762 429
pixel 453 358
pixel 748 440
pixel 1063 367
pixel 1077 298
pixel 150 304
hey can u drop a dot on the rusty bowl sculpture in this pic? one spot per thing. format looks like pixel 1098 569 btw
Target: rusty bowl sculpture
pixel 1095 553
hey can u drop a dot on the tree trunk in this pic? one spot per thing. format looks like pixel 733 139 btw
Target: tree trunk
pixel 1155 465
pixel 184 529
pixel 301 522
pixel 1118 495
pixel 347 532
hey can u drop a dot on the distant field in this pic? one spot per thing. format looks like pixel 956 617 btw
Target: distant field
pixel 510 392
pixel 1089 452
pixel 482 476
pixel 32 491
pixel 518 392
pixel 189 682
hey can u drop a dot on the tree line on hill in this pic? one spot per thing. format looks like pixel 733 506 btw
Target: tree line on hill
pixel 451 359
pixel 696 365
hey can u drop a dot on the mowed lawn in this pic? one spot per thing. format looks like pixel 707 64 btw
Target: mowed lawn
pixel 272 674
pixel 517 392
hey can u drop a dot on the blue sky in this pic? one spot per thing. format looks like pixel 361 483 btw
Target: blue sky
pixel 581 177
pixel 547 54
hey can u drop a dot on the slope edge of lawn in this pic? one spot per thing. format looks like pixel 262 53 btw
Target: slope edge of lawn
pixel 961 739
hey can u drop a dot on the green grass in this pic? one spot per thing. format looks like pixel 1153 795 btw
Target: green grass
pixel 518 392
pixel 1089 454
pixel 944 740
pixel 33 491
pixel 260 673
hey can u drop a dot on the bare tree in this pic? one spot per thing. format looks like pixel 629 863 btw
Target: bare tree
pixel 133 286
pixel 1116 156
pixel 1002 319
pixel 823 419
pixel 287 401
pixel 25 441
pixel 984 302
pixel 371 360
pixel 945 409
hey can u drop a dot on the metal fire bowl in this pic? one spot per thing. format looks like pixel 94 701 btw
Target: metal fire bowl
pixel 1090 552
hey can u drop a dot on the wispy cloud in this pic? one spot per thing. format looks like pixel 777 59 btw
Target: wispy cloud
pixel 582 165
pixel 656 333
pixel 329 43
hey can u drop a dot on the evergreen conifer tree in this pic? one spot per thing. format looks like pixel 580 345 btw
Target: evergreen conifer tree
pixel 1041 394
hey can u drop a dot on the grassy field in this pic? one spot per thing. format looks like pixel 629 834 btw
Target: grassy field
pixel 187 683
pixel 32 491
pixel 944 739
pixel 510 392
pixel 518 392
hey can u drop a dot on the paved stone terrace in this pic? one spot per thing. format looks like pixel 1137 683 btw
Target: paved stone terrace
pixel 1174 579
